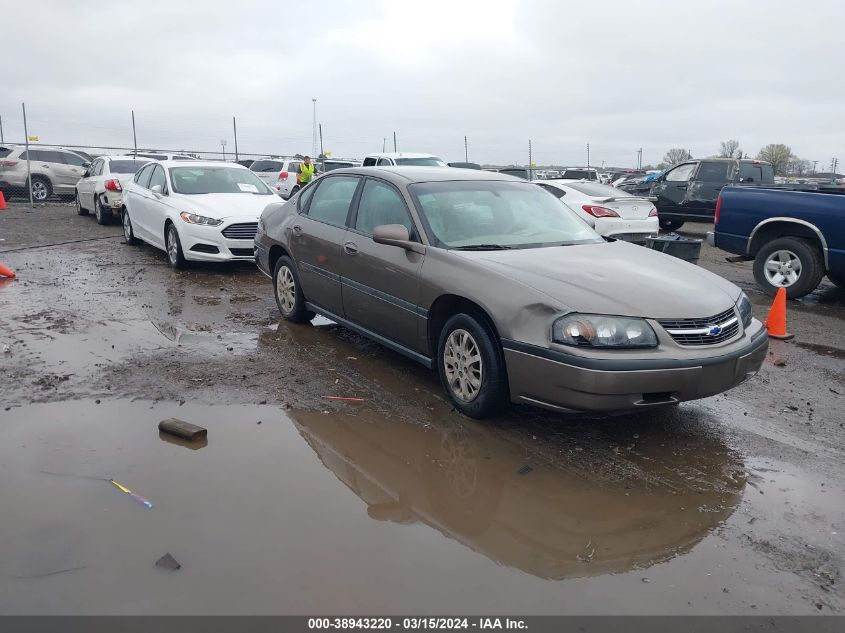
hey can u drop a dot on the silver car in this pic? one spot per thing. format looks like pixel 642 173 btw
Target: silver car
pixel 507 293
pixel 53 171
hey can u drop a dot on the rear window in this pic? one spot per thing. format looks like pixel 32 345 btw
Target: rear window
pixel 73 159
pixel 125 166
pixel 153 156
pixel 329 166
pixel 579 174
pixel 267 166
pixel 597 190
pixel 756 172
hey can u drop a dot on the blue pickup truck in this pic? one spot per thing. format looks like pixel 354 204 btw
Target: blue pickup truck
pixel 794 236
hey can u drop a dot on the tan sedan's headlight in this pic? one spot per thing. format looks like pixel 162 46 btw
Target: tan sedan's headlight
pixel 597 330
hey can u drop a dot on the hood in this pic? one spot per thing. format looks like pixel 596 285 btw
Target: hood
pixel 615 278
pixel 222 206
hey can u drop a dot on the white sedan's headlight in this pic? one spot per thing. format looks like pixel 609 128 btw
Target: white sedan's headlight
pixel 193 218
pixel 596 330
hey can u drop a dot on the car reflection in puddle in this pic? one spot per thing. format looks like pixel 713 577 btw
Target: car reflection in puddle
pixel 551 520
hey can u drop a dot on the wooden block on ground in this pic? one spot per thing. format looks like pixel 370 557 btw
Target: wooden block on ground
pixel 182 429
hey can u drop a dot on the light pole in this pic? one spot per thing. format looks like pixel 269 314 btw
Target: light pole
pixel 223 145
pixel 314 131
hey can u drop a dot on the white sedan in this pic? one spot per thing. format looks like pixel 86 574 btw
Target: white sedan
pixel 195 211
pixel 101 187
pixel 610 211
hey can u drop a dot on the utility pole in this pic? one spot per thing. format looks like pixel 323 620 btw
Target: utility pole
pixel 322 153
pixel 28 170
pixel 466 150
pixel 2 140
pixel 235 129
pixel 588 156
pixel 314 128
pixel 834 162
pixel 530 162
pixel 814 166
pixel 383 144
pixel 134 136
pixel 394 142
pixel 223 145
pixel 640 158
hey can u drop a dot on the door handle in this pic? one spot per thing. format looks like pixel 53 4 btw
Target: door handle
pixel 350 248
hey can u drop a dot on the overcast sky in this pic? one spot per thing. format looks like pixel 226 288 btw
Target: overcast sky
pixel 617 75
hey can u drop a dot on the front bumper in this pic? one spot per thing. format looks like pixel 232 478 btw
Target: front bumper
pixel 562 382
pixel 208 244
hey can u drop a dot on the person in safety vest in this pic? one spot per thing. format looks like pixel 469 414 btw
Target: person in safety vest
pixel 305 174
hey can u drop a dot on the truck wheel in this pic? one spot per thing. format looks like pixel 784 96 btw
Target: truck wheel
pixel 472 370
pixel 670 225
pixel 836 280
pixel 789 262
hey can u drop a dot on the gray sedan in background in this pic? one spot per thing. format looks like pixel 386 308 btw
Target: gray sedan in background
pixel 509 295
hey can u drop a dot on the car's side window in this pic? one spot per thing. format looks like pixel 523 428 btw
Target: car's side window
pixel 143 177
pixel 158 178
pixel 715 171
pixel 381 204
pixel 330 202
pixel 293 168
pixel 97 167
pixel 305 197
pixel 369 162
pixel 384 162
pixel 680 173
pixel 73 159
pixel 50 156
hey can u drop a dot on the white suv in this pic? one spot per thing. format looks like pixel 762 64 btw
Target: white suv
pixel 53 170
pixel 403 158
pixel 278 173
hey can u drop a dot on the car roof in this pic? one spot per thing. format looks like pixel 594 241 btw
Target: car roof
pixel 401 155
pixel 198 163
pixel 123 157
pixel 404 175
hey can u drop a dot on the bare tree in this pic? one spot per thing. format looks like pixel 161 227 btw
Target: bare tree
pixel 799 166
pixel 779 155
pixel 676 155
pixel 730 149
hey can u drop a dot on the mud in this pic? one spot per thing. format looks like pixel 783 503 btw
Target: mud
pixel 394 504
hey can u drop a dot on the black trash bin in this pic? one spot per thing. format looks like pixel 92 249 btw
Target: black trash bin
pixel 685 248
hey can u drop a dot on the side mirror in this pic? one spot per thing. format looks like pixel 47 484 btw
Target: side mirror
pixel 396 235
pixel 156 189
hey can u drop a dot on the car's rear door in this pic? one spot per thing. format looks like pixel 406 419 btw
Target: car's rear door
pixel 136 200
pixel 380 282
pixel 317 240
pixel 85 186
pixel 71 168
pixel 705 185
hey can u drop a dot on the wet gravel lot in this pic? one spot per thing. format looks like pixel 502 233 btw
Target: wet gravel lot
pixel 396 504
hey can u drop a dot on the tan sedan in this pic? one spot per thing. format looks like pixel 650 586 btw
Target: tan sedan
pixel 505 292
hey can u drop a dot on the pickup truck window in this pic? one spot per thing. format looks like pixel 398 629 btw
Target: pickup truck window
pixel 714 171
pixel 756 172
pixel 680 173
pixel 369 161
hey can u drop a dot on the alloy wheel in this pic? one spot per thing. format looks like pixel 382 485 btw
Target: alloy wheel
pixel 783 268
pixel 39 190
pixel 463 366
pixel 286 289
pixel 172 246
pixel 127 226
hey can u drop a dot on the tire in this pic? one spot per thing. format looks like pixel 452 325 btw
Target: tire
pixel 102 213
pixel 173 245
pixel 478 389
pixel 793 263
pixel 669 225
pixel 288 292
pixel 128 231
pixel 79 209
pixel 41 188
pixel 836 280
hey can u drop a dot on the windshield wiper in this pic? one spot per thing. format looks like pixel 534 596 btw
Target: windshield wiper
pixel 483 247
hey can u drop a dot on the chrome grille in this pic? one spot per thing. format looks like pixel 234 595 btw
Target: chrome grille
pixel 244 231
pixel 710 331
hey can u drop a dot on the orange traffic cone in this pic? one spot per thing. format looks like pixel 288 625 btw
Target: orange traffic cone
pixel 6 272
pixel 776 321
pixel 2 201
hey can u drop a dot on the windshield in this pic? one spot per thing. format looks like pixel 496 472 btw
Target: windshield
pixel 199 180
pixel 596 190
pixel 497 214
pixel 126 166
pixel 579 174
pixel 430 161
